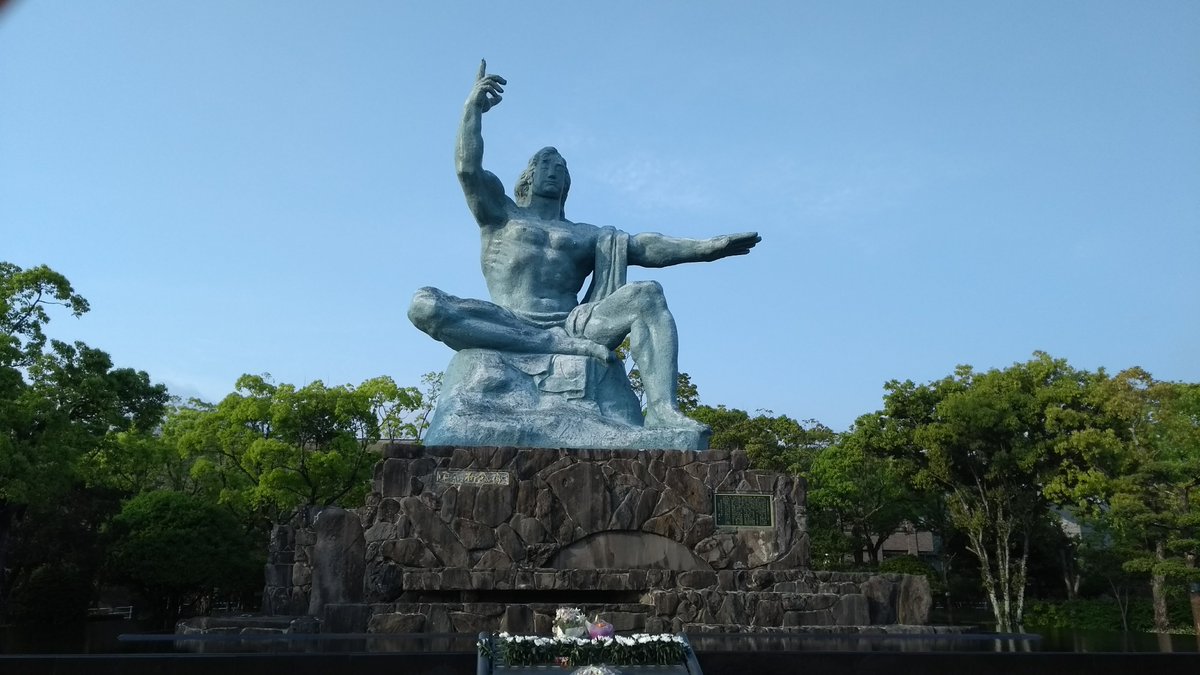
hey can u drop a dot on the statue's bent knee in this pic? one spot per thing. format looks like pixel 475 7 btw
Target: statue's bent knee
pixel 425 309
pixel 650 294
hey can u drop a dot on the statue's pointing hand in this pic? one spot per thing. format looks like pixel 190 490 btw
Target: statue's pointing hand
pixel 732 244
pixel 486 92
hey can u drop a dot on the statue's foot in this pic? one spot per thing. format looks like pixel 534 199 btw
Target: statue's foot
pixel 584 347
pixel 667 417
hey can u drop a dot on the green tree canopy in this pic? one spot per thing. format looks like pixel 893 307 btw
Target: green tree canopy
pixel 269 448
pixel 990 442
pixel 169 545
pixel 59 402
pixel 777 443
pixel 24 297
pixel 858 492
pixel 1137 473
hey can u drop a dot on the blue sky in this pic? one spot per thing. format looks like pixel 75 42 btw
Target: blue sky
pixel 260 187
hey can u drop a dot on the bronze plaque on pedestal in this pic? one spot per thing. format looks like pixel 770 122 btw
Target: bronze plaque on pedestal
pixel 743 510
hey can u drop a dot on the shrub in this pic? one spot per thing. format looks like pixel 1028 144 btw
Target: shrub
pixel 170 545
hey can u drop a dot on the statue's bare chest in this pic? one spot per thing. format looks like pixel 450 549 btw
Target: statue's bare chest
pixel 545 240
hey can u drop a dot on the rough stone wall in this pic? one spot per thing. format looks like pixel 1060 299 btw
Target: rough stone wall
pixel 288 573
pixel 571 508
pixel 464 540
pixel 661 600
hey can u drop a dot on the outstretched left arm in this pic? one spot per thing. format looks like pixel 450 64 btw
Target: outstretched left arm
pixel 651 249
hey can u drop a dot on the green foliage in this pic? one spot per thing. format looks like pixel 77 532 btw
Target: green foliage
pixel 426 404
pixel 1105 614
pixel 135 462
pixel 57 553
pixel 907 564
pixel 72 405
pixel 1136 472
pixel 169 545
pixel 830 548
pixel 1098 614
pixel 266 449
pixel 688 394
pixel 988 442
pixel 57 400
pixel 52 593
pixel 776 443
pixel 61 405
pixel 858 491
pixel 24 297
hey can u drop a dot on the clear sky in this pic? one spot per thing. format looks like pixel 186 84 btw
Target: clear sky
pixel 261 186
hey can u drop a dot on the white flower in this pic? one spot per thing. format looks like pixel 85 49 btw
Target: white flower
pixel 503 636
pixel 568 615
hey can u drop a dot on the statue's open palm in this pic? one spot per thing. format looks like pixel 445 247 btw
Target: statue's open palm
pixel 732 244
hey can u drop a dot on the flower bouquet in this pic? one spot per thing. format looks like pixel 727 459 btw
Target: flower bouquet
pixel 569 622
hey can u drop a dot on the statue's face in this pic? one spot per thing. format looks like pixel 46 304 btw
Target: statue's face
pixel 550 176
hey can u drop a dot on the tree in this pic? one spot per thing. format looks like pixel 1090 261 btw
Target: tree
pixel 989 441
pixel 1102 556
pixel 267 449
pixel 775 443
pixel 858 492
pixel 1136 471
pixel 402 412
pixel 57 553
pixel 133 462
pixel 410 419
pixel 58 401
pixel 890 434
pixel 170 545
pixel 24 297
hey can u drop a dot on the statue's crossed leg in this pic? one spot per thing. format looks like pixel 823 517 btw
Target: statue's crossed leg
pixel 637 309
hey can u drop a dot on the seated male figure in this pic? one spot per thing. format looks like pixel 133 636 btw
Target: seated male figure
pixel 535 262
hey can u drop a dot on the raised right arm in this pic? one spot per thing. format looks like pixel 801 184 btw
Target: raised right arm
pixel 484 192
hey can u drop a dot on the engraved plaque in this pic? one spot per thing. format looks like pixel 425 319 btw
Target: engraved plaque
pixel 465 477
pixel 743 510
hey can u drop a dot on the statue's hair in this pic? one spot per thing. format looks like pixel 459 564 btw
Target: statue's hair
pixel 523 189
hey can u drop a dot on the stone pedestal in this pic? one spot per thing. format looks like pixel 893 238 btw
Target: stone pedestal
pixel 471 539
pixel 545 401
pixel 495 508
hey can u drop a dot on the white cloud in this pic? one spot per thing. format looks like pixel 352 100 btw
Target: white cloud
pixel 656 183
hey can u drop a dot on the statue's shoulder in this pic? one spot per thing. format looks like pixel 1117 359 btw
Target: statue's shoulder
pixel 588 228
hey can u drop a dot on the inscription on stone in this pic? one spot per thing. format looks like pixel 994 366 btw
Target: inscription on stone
pixel 463 477
pixel 743 510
